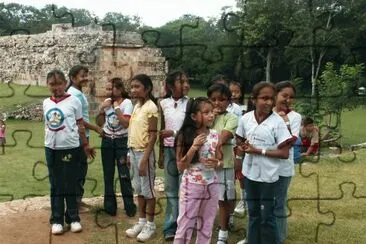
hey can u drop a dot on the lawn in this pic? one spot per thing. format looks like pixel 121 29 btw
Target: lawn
pixel 327 200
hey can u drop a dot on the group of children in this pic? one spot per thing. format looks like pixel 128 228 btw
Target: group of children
pixel 206 143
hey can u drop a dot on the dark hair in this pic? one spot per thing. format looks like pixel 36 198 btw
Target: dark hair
pixel 285 84
pixel 56 74
pixel 255 92
pixel 74 71
pixel 145 80
pixel 235 83
pixel 218 87
pixel 118 83
pixel 307 121
pixel 219 77
pixel 170 80
pixel 189 127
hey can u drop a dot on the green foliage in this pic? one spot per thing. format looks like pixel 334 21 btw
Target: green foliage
pixel 337 88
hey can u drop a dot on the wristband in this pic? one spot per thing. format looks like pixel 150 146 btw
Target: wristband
pixel 116 107
pixel 263 152
pixel 238 157
pixel 174 133
pixel 220 163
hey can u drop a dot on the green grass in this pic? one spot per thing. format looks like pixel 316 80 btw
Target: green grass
pixel 12 95
pixel 339 186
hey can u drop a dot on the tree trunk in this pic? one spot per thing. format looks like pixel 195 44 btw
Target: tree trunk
pixel 268 64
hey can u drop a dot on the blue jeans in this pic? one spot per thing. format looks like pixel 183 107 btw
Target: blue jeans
pixel 114 153
pixel 172 179
pixel 280 206
pixel 262 227
pixel 63 174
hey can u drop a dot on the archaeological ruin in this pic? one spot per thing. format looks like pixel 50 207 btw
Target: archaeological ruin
pixel 28 58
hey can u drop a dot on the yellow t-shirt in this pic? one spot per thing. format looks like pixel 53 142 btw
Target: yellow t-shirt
pixel 138 134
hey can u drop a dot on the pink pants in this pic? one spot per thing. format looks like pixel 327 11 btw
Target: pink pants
pixel 197 204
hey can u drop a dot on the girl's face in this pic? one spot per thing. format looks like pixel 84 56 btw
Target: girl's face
pixel 112 91
pixel 235 92
pixel 285 98
pixel 56 86
pixel 181 86
pixel 265 100
pixel 81 79
pixel 138 90
pixel 205 116
pixel 219 101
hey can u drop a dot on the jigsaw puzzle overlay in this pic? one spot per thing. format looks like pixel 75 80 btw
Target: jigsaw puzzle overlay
pixel 338 168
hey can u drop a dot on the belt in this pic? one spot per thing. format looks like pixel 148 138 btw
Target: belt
pixel 111 136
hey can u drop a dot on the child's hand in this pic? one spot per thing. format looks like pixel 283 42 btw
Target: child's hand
pixel 210 162
pixel 199 140
pixel 142 168
pixel 107 103
pixel 248 148
pixel 89 151
pixel 166 133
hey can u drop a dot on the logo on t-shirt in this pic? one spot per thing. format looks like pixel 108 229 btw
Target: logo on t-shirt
pixel 55 118
pixel 113 122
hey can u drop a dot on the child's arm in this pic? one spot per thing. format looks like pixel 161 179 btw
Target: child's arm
pixel 152 130
pixel 281 152
pixel 95 128
pixel 161 140
pixel 90 152
pixel 183 162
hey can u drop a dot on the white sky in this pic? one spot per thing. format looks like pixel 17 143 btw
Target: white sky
pixel 152 12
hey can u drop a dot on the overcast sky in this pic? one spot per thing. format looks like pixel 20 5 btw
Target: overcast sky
pixel 152 12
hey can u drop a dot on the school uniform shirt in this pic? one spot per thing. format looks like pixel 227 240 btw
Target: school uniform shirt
pixel 138 130
pixel 84 104
pixel 61 131
pixel 287 166
pixel 229 122
pixel 112 125
pixel 174 113
pixel 235 109
pixel 266 135
pixel 198 173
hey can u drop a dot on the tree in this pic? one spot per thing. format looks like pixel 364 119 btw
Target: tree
pixel 122 22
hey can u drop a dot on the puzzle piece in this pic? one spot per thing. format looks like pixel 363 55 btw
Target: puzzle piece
pixel 314 201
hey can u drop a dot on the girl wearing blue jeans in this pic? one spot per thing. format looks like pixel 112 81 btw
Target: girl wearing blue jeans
pixel 264 138
pixel 173 109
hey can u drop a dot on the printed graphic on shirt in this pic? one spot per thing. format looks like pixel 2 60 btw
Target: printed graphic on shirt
pixel 55 119
pixel 113 122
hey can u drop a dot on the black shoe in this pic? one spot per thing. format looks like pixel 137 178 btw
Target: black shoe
pixel 169 237
pixel 131 210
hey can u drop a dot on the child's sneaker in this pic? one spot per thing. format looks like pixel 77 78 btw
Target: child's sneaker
pixel 57 229
pixel 147 232
pixel 76 227
pixel 135 230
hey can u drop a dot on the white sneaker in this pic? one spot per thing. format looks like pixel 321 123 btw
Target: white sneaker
pixel 57 229
pixel 243 241
pixel 76 227
pixel 240 209
pixel 135 230
pixel 147 232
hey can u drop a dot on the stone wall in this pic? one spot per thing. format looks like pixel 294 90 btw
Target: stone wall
pixel 26 59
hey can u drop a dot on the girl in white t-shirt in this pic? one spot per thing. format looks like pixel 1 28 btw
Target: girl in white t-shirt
pixel 63 130
pixel 199 191
pixel 284 99
pixel 114 116
pixel 173 109
pixel 264 138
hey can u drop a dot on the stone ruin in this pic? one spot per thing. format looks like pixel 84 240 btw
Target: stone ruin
pixel 28 58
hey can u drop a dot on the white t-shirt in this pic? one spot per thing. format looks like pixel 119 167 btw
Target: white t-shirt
pixel 174 113
pixel 61 131
pixel 112 125
pixel 266 135
pixel 287 166
pixel 235 109
pixel 84 104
